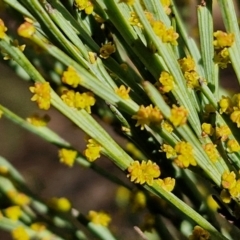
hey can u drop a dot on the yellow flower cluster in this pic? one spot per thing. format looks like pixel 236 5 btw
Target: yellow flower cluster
pixel 85 5
pixel 178 115
pixel 231 187
pixel 106 50
pixel 78 100
pixel 100 218
pixel 211 151
pixel 3 29
pixel 188 68
pixel 231 106
pixel 13 212
pixel 67 156
pixel 182 154
pixel 71 77
pixel 221 44
pixel 223 132
pixel 144 172
pixel 38 226
pixel 134 20
pixel 167 183
pixel 38 121
pixel 18 198
pixel 147 115
pixel 232 146
pixel 167 82
pixel 123 92
pixel 166 6
pixel 26 30
pixel 42 95
pixel 199 234
pixel 93 150
pixel 60 204
pixel 20 233
pixel 167 35
pixel 207 129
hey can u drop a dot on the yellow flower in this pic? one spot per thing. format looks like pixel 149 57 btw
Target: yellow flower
pixel 235 117
pixel 71 77
pixel 85 5
pixel 38 226
pixel 26 30
pixel 187 64
pixel 144 172
pixel 167 126
pixel 38 121
pixel 166 79
pixel 207 129
pixel 3 29
pixel 222 58
pixel 228 180
pixel 223 39
pixel 232 146
pixel 18 198
pixel 169 150
pixel 167 184
pixel 183 161
pixel 13 212
pixel 123 92
pixel 100 218
pixel 106 50
pixel 226 105
pixel 93 150
pixel 199 234
pixel 178 115
pixel 225 196
pixel 223 132
pixel 166 6
pixel 42 95
pixel 60 204
pixel 235 191
pixel 147 115
pixel 134 20
pixel 20 233
pixel 192 79
pixel 67 156
pixel 211 151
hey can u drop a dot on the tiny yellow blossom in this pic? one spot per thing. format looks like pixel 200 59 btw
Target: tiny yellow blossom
pixel 166 79
pixel 192 79
pixel 38 226
pixel 3 29
pixel 71 77
pixel 147 115
pixel 183 161
pixel 166 6
pixel 236 101
pixel 106 50
pixel 18 198
pixel 199 234
pixel 42 95
pixel 232 146
pixel 167 126
pixel 211 151
pixel 169 150
pixel 187 64
pixel 207 129
pixel 184 148
pixel 68 97
pixel 212 204
pixel 226 105
pixel 100 218
pixel 60 204
pixel 93 150
pixel 67 156
pixel 225 196
pixel 235 117
pixel 20 233
pixel 13 212
pixel 123 92
pixel 26 30
pixel 222 58
pixel 228 180
pixel 178 115
pixel 167 184
pixel 134 20
pixel 223 39
pixel 38 121
pixel 223 132
pixel 235 191
pixel 85 5
pixel 144 172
